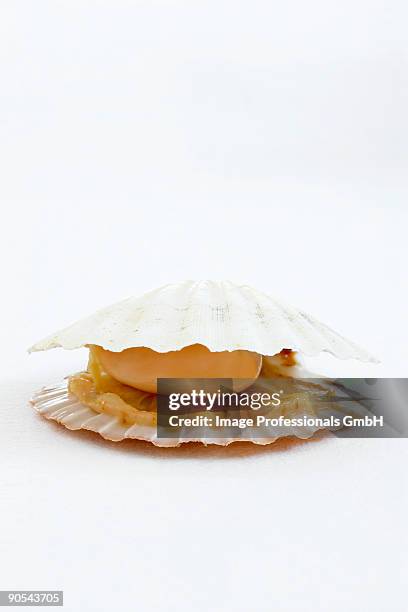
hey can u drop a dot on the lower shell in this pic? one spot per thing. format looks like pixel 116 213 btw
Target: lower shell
pixel 57 404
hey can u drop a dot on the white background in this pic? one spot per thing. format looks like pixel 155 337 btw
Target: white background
pixel 148 142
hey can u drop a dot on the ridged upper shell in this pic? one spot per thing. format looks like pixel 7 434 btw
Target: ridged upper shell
pixel 219 314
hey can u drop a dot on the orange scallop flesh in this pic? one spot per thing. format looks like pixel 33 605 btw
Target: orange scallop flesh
pixel 141 367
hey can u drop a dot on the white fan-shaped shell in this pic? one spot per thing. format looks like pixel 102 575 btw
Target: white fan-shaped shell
pixel 219 314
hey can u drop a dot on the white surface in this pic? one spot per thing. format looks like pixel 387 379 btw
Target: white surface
pixel 148 142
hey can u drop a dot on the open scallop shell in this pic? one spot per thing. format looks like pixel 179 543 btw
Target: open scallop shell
pixel 220 315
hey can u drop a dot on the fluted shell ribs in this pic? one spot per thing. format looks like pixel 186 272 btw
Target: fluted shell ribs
pixel 220 315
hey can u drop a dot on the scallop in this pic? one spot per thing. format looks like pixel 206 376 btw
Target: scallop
pixel 193 329
pixel 141 367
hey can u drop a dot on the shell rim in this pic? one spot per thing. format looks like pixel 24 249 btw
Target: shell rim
pixel 369 359
pixel 36 404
